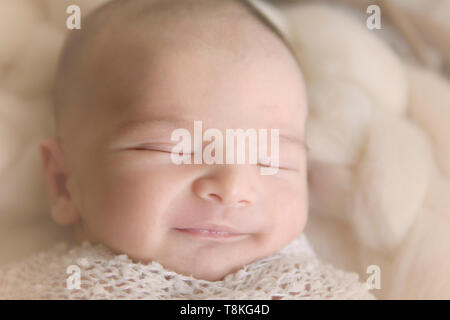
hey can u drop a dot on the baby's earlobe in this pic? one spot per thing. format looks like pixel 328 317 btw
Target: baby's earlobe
pixel 63 213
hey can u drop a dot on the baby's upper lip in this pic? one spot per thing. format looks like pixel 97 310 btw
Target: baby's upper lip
pixel 213 227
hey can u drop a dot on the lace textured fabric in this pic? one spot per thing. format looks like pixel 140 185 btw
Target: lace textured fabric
pixel 293 272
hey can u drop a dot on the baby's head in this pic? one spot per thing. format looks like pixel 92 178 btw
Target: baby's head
pixel 135 72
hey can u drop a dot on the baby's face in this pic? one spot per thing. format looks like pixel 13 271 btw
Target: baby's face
pixel 134 199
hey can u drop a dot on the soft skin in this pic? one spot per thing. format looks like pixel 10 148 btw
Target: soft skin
pixel 110 173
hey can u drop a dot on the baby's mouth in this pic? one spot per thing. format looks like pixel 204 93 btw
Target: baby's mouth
pixel 214 233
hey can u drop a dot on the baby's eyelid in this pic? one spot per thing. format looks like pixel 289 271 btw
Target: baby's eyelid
pixel 168 148
pixel 153 146
pixel 269 166
pixel 158 147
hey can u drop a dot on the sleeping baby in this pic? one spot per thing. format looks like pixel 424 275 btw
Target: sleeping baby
pixel 144 226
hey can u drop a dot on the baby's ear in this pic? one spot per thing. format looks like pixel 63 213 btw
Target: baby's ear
pixel 62 209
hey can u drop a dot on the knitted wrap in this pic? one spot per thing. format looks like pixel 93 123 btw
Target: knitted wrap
pixel 293 272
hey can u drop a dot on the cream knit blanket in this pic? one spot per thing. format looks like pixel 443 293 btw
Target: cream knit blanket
pixel 294 272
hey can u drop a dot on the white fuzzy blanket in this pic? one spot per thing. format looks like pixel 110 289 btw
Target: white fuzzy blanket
pixel 291 273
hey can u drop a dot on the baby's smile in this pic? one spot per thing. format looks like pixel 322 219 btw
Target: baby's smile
pixel 214 232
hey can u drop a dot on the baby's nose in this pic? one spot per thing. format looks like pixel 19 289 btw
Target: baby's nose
pixel 229 185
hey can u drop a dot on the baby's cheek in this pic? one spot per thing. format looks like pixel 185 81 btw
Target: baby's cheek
pixel 291 207
pixel 121 204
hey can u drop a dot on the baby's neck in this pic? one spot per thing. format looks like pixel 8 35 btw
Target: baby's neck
pixel 80 234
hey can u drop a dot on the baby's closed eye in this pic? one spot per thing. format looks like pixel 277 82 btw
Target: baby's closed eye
pixel 158 147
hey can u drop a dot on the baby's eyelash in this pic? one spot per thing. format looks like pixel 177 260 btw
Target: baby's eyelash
pixel 269 166
pixel 158 150
pixel 155 149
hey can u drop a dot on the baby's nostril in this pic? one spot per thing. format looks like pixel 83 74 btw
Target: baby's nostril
pixel 243 203
pixel 214 196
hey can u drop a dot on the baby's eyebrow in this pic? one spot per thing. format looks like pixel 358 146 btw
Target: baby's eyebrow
pixel 165 123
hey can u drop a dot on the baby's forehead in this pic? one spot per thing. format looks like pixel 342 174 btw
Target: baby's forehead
pixel 136 50
pixel 126 41
pixel 170 23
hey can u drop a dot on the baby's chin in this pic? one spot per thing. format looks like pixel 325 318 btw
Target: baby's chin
pixel 205 270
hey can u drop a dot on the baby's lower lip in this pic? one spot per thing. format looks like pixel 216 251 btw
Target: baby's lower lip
pixel 212 234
